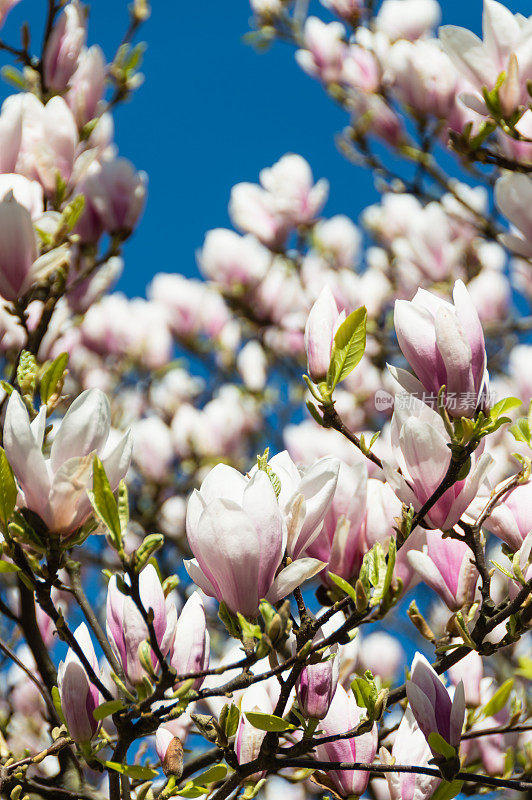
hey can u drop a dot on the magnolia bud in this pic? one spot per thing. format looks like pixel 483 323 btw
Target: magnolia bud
pixel 170 751
pixel 419 621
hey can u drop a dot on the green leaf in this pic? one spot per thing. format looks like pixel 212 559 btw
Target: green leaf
pixel 104 503
pixel 365 691
pixel 268 722
pixel 525 668
pixel 348 347
pixel 229 717
pixel 191 790
pixel 521 430
pixel 344 586
pixel 446 790
pixel 56 700
pixel 249 629
pixel 6 566
pixel 106 709
pixel 229 620
pixel 313 411
pixel 212 775
pixel 499 699
pixel 438 745
pixel 53 377
pixel 8 489
pixel 134 771
pixel 73 211
pixel 123 506
pixel 392 552
pixel 504 406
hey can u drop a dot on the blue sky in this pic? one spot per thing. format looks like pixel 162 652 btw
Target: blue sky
pixel 213 112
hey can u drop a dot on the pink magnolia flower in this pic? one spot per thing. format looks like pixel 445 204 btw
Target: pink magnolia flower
pixel 126 629
pixel 513 196
pixel 322 323
pixel 410 747
pixel 444 345
pixel 297 198
pixel 447 566
pixel 511 519
pixel 431 704
pixel 79 697
pixel 191 647
pixel 87 85
pixel 407 19
pixel 28 193
pixel 422 76
pixel 324 50
pixel 382 654
pixel 56 487
pixel 470 671
pixel 64 46
pixel 253 210
pixel 262 698
pixel 115 193
pixel 341 543
pixel 10 134
pixel 305 497
pixel 236 532
pixel 232 260
pixel 152 448
pixel 49 139
pixel 317 683
pixel 18 249
pixel 343 715
pixel 347 9
pixel 419 445
pixel 506 47
pixel 338 239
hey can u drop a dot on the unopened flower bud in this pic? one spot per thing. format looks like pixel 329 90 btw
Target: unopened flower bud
pixel 170 751
pixel 419 621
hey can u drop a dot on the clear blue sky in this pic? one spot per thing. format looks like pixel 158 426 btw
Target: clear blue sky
pixel 213 112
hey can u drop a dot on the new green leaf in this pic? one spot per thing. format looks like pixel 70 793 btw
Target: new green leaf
pixel 348 347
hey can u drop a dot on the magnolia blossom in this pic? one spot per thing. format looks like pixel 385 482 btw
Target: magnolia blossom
pixel 506 47
pixel 511 519
pixel 64 46
pixel 341 541
pixel 261 697
pixel 317 683
pixel 152 449
pixel 322 323
pixel 126 629
pixel 87 85
pixel 305 497
pixel 407 19
pixel 49 139
pixel 115 194
pixel 469 670
pixel 79 697
pixel 233 260
pixel 382 654
pixel 191 647
pixel 338 239
pixel 237 534
pixel 343 715
pixel 419 445
pixel 297 198
pixel 56 487
pixel 423 77
pixel 448 567
pixel 444 345
pixel 410 747
pixel 324 51
pixel 18 249
pixel 513 196
pixel 431 704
